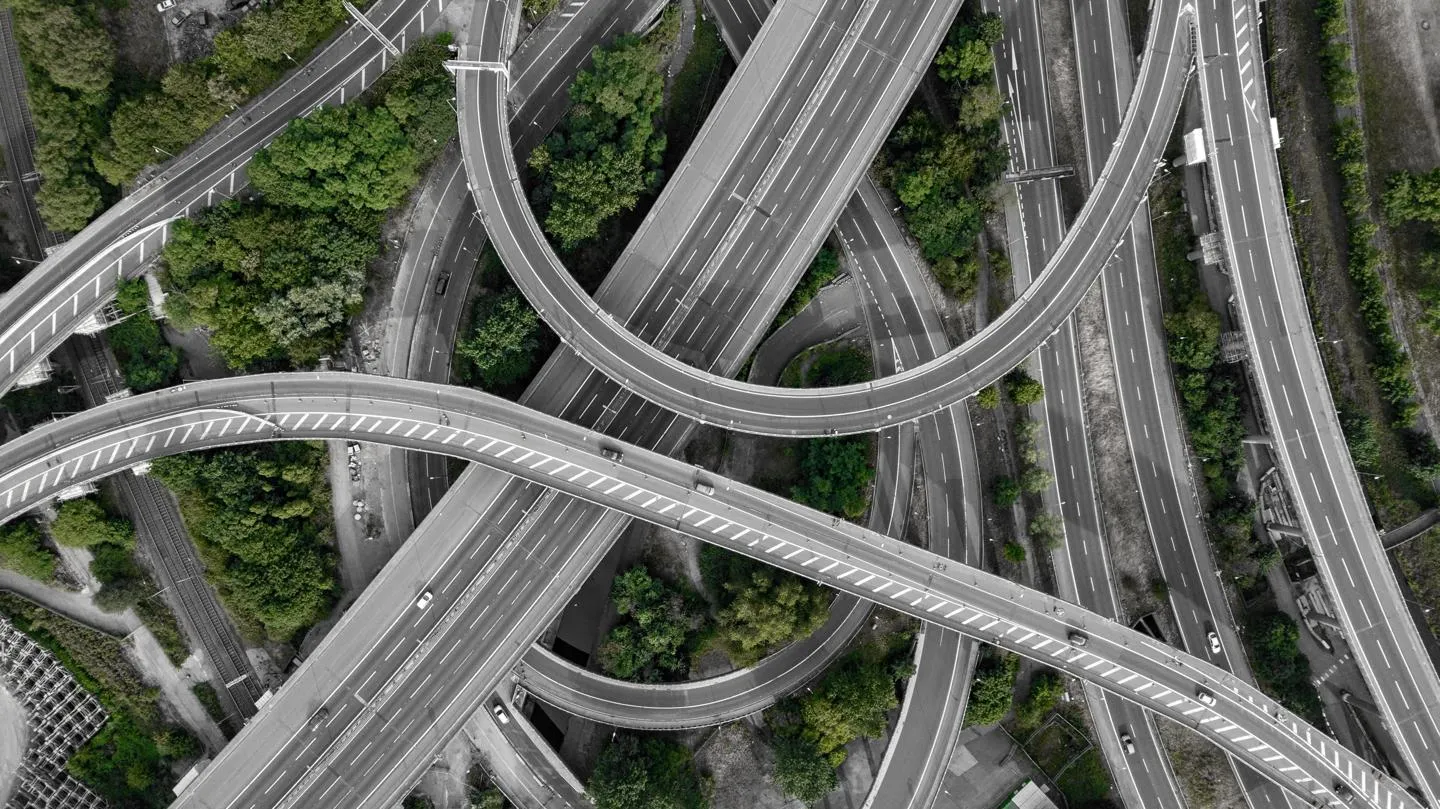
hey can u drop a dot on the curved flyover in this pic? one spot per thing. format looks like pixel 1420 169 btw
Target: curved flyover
pixel 65 289
pixel 659 489
pixel 603 340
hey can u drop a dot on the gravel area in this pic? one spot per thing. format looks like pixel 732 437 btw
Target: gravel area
pixel 1132 553
pixel 737 762
pixel 175 685
pixel 1203 770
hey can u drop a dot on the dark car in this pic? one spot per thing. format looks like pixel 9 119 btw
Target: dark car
pixel 442 283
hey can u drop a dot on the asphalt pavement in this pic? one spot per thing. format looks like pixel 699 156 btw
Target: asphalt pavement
pixel 648 485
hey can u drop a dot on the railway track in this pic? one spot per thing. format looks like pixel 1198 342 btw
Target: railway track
pixel 162 535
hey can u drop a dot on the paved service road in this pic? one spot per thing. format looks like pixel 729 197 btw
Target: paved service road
pixel 393 696
pixel 599 334
pixel 1300 415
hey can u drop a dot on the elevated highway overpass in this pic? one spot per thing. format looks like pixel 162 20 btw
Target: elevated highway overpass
pixel 649 486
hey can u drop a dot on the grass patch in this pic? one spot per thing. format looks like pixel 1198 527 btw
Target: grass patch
pixel 130 761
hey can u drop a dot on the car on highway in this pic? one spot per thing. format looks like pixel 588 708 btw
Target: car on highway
pixel 501 715
pixel 442 283
pixel 1214 642
pixel 1077 639
pixel 1204 696
pixel 1127 742
pixel 424 600
pixel 165 5
pixel 318 718
pixel 704 488
pixel 613 455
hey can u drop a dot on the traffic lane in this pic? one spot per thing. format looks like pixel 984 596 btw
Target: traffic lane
pixel 699 703
pixel 793 528
pixel 842 413
pixel 342 661
pixel 1405 697
pixel 1029 131
pixel 485 640
pixel 737 229
pixel 1311 433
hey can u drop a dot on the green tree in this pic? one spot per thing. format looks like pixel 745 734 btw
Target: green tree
pixel 801 771
pixel 69 45
pixel 650 773
pixel 1194 336
pixel 992 691
pixel 988 397
pixel 1281 668
pixel 1046 689
pixel 966 56
pixel 1047 531
pixel 1036 479
pixel 22 549
pixel 259 518
pixel 1024 389
pixel 658 621
pixel 83 523
pixel 767 610
pixel 835 475
pixel 349 156
pixel 503 341
pixel 852 701
pixel 1013 552
pixel 609 151
pixel 1413 197
pixel 146 360
pixel 67 200
pixel 1006 491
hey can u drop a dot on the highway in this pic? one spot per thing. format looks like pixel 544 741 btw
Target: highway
pixel 1082 564
pixel 1308 443
pixel 599 334
pixel 79 278
pixel 1151 415
pixel 648 485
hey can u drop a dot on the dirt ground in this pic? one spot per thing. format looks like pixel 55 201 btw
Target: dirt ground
pixel 1203 770
pixel 14 733
pixel 1312 183
pixel 175 684
pixel 737 761
pixel 1132 552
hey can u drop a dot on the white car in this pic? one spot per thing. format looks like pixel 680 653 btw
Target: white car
pixel 1214 642
pixel 1127 743
pixel 165 5
pixel 424 600
pixel 1205 696
pixel 500 715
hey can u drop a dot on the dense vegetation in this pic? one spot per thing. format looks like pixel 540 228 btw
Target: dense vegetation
pixel 608 152
pixel 992 692
pixel 645 773
pixel 261 520
pixel 835 473
pixel 759 608
pixel 275 280
pixel 1280 667
pixel 23 550
pixel 129 762
pixel 1208 391
pixel 852 701
pixel 146 360
pixel 659 626
pixel 503 347
pixel 70 65
pixel 943 171
pixel 84 523
pixel 94 137
pixel 822 270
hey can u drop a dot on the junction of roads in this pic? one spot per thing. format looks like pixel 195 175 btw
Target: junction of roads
pixel 779 164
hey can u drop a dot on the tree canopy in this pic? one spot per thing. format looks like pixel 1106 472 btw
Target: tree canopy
pixel 801 771
pixel 23 550
pixel 261 520
pixel 609 150
pixel 269 283
pixel 992 692
pixel 146 360
pixel 852 701
pixel 760 607
pixel 658 622
pixel 503 342
pixel 83 523
pixel 349 156
pixel 648 773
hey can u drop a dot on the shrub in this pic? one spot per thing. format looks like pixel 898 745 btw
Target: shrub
pixel 992 691
pixel 23 550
